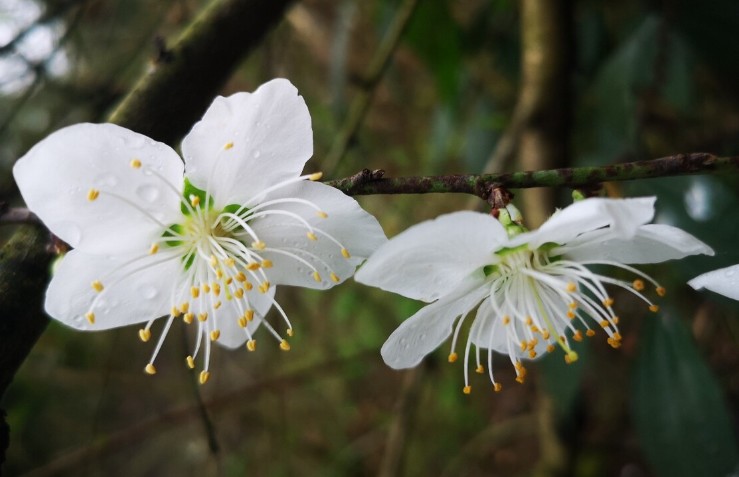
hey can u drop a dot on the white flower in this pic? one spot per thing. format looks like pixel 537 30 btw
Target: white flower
pixel 724 281
pixel 535 291
pixel 209 249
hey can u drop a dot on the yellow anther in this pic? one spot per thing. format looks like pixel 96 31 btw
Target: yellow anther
pixel 545 334
pixel 219 273
pixel 506 319
pixel 534 329
pixel 150 369
pixel 206 288
pixel 467 389
pixel 570 357
pixel 571 287
pixel 284 345
pixel 144 334
pixel 267 264
pixel 215 334
pixel 453 357
pixel 653 308
pixel 638 285
pixel 230 262
pixel 345 253
pixel 174 311
pixel 92 194
pixel 604 324
pixel 216 288
pixel 202 316
pixel 617 336
pixel 532 354
pixel 661 291
pixel 249 315
pixel 239 293
pixel 480 369
pixel 529 321
pixel 204 375
pixel 195 292
pixel 213 260
pixel 577 336
pixel 520 378
pixel 316 176
pixel 240 277
pixel 608 302
pixel 311 236
pixel 290 332
pixel 259 245
pixel 571 315
pixel 572 305
pixel 97 286
pixel 185 307
pixel 264 286
pixel 317 276
pixel 590 333
pixel 248 286
pixel 190 362
pixel 252 266
pixel 322 214
pixel 497 387
pixel 154 249
pixel 228 146
pixel 523 346
pixel 550 348
pixel 615 320
pixel 615 344
pixel 194 200
pixel 251 345
pixel 90 317
pixel 187 318
pixel 135 163
pixel 335 278
pixel 242 322
pixel 217 305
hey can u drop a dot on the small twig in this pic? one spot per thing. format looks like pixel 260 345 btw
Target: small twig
pixel 574 177
pixel 377 67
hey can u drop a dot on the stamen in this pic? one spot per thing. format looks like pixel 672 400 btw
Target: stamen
pixel 144 334
pixel 135 163
pixel 215 334
pixel 228 146
pixel 467 389
pixel 150 369
pixel 90 317
pixel 316 176
pixel 284 345
pixel 251 345
pixel 345 253
pixel 154 249
pixel 204 375
pixel 190 362
pixel 335 278
pixel 97 286
pixel 93 194
pixel 453 357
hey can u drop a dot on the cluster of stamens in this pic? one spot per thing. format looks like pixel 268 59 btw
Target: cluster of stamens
pixel 224 263
pixel 539 301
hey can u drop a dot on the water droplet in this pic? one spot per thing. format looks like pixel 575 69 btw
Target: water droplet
pixel 257 154
pixel 149 293
pixel 148 192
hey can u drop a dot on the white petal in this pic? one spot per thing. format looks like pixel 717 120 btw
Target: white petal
pixel 724 281
pixel 358 232
pixel 431 325
pixel 623 216
pixel 653 243
pixel 140 297
pixel 56 175
pixel 269 139
pixel 232 335
pixel 429 258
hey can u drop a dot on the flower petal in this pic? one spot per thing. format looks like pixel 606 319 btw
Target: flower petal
pixel 429 258
pixel 431 325
pixel 724 281
pixel 652 243
pixel 145 293
pixel 248 142
pixel 356 230
pixel 622 216
pixel 57 174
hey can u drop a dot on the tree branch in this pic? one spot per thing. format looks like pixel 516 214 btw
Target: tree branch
pixel 371 182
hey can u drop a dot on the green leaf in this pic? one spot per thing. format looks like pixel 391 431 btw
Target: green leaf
pixel 678 407
pixel 561 380
pixel 190 191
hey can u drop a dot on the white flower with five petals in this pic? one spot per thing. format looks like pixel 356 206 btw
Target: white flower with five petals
pixel 533 291
pixel 210 248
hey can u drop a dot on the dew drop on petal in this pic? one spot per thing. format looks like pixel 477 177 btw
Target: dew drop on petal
pixel 148 192
pixel 148 292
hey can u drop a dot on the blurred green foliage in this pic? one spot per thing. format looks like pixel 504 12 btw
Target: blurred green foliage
pixel 650 79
